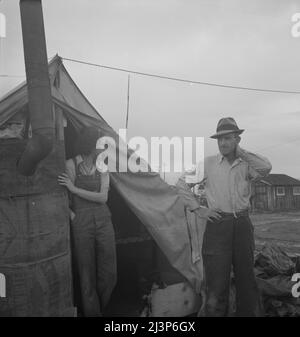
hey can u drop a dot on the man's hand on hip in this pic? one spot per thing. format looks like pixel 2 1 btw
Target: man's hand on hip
pixel 210 214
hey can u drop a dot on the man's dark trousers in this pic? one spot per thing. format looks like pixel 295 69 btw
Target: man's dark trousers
pixel 229 242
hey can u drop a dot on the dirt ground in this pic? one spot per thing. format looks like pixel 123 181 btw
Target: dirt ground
pixel 282 228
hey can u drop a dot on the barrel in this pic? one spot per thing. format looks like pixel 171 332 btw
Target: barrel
pixel 35 254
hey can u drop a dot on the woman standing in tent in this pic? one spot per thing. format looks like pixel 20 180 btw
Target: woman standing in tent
pixel 92 231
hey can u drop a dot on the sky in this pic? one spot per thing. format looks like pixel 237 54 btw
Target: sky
pixel 234 42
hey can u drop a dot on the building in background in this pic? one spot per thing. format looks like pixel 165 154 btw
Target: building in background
pixel 276 192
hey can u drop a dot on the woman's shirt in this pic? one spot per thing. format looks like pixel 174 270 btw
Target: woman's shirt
pixel 71 171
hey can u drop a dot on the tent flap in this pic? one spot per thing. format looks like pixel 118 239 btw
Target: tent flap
pixel 157 205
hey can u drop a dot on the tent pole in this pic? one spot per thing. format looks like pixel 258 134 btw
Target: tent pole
pixel 128 90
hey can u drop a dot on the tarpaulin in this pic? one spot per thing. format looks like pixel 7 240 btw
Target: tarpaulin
pixel 159 206
pixel 274 269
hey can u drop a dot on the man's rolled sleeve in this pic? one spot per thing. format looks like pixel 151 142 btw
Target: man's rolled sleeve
pixel 259 166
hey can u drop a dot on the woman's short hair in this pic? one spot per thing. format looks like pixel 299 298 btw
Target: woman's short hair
pixel 87 140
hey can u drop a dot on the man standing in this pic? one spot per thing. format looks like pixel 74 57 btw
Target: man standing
pixel 228 240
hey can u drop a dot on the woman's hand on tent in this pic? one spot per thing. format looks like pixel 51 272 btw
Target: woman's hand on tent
pixel 64 180
pixel 72 215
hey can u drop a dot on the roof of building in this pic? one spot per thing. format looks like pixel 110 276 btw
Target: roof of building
pixel 280 179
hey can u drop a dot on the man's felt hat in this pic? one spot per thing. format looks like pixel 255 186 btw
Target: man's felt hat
pixel 225 126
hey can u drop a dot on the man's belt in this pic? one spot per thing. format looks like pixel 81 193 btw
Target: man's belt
pixel 239 214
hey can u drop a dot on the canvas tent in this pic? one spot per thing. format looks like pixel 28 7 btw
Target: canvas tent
pixel 155 204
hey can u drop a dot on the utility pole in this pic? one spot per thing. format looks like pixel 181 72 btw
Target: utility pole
pixel 128 89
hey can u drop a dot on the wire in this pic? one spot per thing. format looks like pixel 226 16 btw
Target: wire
pixel 280 144
pixel 181 79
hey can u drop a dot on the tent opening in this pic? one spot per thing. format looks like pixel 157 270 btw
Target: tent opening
pixel 140 261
